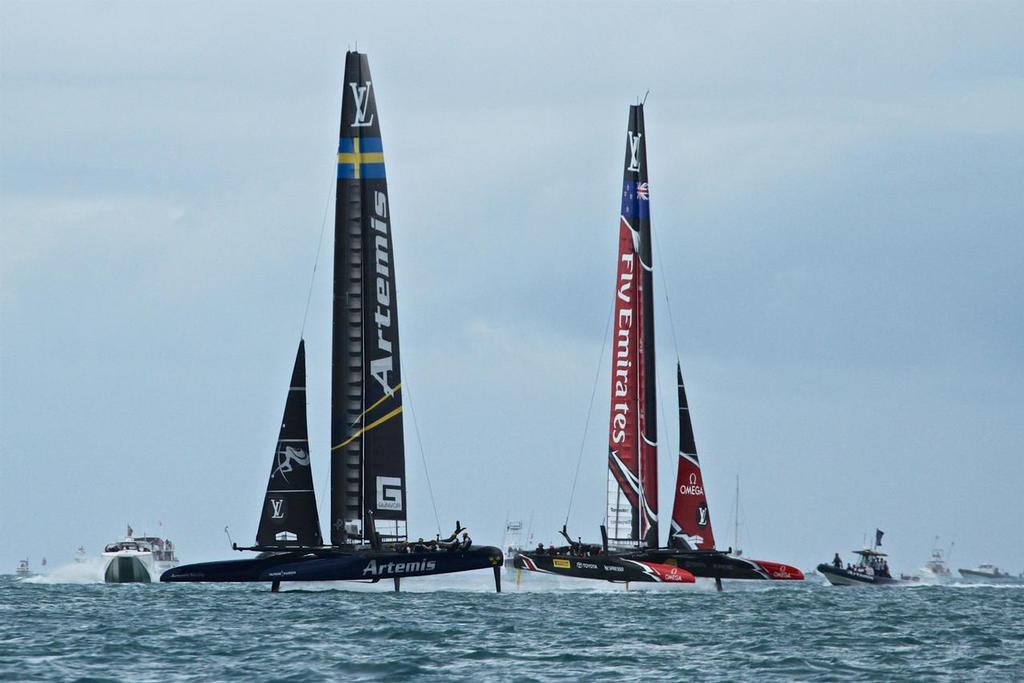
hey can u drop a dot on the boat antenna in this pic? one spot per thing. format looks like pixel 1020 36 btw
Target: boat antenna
pixel 645 97
pixel 228 534
pixel 590 410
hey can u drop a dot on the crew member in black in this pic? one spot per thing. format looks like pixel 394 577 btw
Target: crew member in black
pixel 836 562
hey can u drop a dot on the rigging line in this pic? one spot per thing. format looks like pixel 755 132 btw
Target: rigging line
pixel 316 259
pixel 590 409
pixel 423 455
pixel 664 287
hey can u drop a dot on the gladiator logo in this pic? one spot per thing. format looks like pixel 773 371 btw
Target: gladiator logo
pixel 634 151
pixel 361 93
pixel 702 515
pixel 287 458
pixel 389 493
pixel 277 508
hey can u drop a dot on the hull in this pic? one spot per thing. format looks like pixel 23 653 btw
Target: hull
pixel 845 577
pixel 337 566
pixel 616 569
pixel 129 568
pixel 715 564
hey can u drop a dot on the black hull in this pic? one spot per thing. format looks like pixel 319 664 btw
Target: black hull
pixel 839 576
pixel 716 564
pixel 613 568
pixel 333 565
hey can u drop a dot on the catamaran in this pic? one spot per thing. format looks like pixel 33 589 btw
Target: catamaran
pixel 368 539
pixel 629 549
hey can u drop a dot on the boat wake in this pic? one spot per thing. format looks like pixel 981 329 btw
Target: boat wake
pixel 89 570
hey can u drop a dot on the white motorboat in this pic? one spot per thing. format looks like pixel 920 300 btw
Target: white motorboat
pixel 138 560
pixel 936 566
pixel 23 569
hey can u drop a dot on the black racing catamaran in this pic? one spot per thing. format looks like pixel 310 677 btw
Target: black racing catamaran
pixel 368 540
pixel 630 550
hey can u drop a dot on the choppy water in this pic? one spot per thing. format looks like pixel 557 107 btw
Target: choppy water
pixel 456 628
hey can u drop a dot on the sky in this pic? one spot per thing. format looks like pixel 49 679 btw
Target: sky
pixel 837 194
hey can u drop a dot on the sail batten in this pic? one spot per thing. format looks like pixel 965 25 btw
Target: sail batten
pixel 367 438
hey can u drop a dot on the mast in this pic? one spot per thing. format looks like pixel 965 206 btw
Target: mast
pixel 736 521
pixel 289 516
pixel 691 519
pixel 367 438
pixel 632 502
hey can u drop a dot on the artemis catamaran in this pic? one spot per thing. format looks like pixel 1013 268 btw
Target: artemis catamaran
pixel 369 539
pixel 630 549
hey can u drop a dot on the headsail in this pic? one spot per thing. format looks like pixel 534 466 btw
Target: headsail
pixel 691 519
pixel 632 512
pixel 289 515
pixel 367 441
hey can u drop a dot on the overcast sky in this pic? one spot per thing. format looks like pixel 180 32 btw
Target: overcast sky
pixel 837 192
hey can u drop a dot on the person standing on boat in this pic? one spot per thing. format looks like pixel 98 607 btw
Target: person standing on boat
pixel 836 562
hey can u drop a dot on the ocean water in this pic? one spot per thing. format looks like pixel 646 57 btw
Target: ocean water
pixel 68 626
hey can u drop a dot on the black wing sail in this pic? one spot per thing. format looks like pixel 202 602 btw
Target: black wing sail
pixel 289 516
pixel 367 440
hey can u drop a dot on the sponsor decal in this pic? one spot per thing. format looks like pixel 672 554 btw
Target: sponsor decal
pixel 586 565
pixel 277 508
pixel 287 458
pixel 702 515
pixel 692 488
pixel 634 151
pixel 361 93
pixel 389 493
pixel 562 564
pixel 381 366
pixel 374 568
pixel 614 568
pixel 623 346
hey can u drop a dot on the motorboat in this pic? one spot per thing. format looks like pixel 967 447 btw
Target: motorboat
pixel 137 560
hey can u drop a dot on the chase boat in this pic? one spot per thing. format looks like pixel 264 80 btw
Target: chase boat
pixel 870 569
pixel 137 560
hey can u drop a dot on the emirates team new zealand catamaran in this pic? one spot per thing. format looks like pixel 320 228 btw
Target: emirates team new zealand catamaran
pixel 629 550
pixel 369 541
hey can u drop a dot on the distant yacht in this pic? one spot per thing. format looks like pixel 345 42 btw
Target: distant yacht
pixel 137 560
pixel 23 569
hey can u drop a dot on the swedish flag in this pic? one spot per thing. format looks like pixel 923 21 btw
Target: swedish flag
pixel 360 158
